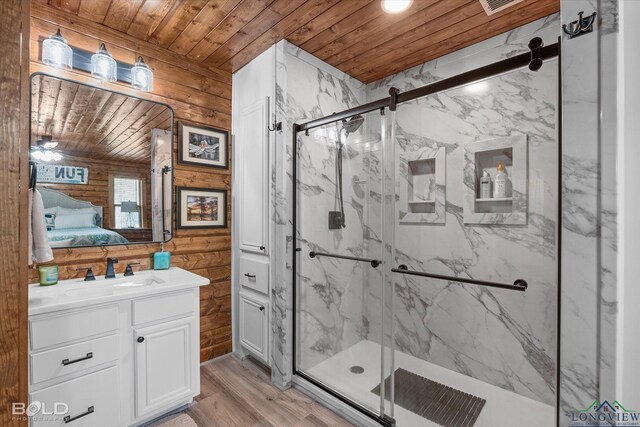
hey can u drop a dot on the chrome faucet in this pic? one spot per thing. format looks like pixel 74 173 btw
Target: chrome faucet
pixel 110 271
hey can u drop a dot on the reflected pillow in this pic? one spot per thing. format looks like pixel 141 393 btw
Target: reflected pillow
pixel 74 221
pixel 68 211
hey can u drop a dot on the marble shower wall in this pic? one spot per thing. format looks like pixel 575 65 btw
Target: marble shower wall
pixel 588 223
pixel 306 89
pixel 502 337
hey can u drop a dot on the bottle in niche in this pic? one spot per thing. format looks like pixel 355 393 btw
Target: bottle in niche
pixel 500 183
pixel 485 185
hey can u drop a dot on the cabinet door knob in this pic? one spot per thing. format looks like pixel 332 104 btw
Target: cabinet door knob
pixel 262 248
pixel 140 339
pixel 261 308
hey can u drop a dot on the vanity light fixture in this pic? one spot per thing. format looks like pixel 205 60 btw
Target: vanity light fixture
pixel 141 76
pixel 56 52
pixel 103 66
pixel 396 6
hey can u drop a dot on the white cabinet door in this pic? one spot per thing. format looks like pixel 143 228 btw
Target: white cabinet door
pixel 252 146
pixel 166 364
pixel 254 325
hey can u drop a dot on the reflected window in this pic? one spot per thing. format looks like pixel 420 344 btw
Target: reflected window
pixel 127 202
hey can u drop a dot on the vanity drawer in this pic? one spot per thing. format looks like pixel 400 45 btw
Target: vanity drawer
pixel 95 396
pixel 254 274
pixel 74 358
pixel 165 307
pixel 50 331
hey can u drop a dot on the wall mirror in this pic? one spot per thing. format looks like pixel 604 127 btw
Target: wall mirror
pixel 102 162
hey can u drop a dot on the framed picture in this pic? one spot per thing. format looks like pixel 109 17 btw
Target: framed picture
pixel 201 208
pixel 203 146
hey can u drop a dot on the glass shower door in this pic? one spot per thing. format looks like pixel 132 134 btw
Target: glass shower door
pixel 474 249
pixel 424 296
pixel 341 312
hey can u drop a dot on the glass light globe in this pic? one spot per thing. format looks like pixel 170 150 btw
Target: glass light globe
pixel 56 52
pixel 141 76
pixel 103 66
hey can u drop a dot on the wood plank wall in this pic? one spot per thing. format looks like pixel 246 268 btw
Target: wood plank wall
pixel 14 136
pixel 197 95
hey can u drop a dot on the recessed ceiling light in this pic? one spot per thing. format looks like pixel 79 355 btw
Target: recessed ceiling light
pixel 396 6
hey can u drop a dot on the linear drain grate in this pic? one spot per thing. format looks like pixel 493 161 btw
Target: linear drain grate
pixel 436 402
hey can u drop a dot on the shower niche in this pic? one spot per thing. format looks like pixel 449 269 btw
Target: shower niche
pixel 422 196
pixel 485 156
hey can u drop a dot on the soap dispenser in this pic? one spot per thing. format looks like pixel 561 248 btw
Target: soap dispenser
pixel 500 183
pixel 162 259
pixel 485 185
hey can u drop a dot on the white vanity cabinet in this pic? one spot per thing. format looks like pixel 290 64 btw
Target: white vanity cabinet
pixel 254 138
pixel 165 371
pixel 114 355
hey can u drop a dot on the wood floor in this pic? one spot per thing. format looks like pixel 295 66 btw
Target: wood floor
pixel 239 393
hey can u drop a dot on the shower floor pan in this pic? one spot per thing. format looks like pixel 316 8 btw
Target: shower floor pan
pixel 502 408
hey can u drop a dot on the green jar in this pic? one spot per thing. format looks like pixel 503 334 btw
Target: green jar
pixel 48 275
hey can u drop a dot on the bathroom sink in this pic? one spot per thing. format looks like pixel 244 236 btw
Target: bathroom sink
pixel 103 287
pixel 134 283
pixel 93 291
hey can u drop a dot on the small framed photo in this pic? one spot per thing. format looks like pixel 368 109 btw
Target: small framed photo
pixel 203 146
pixel 201 208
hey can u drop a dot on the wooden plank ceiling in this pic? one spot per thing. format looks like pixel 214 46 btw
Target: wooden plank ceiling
pixel 355 36
pixel 91 123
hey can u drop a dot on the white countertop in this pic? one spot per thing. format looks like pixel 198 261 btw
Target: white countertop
pixel 75 293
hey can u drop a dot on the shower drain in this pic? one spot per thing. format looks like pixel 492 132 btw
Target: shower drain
pixel 355 369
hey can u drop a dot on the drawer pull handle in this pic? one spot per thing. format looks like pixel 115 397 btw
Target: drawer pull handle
pixel 69 418
pixel 66 362
pixel 250 276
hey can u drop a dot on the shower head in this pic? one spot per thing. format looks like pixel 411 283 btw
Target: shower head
pixel 353 124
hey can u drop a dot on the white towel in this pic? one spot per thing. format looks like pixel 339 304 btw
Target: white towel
pixel 39 248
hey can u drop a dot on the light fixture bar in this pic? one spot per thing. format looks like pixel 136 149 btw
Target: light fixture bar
pixel 57 53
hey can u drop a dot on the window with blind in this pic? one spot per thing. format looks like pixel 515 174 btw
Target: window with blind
pixel 127 202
